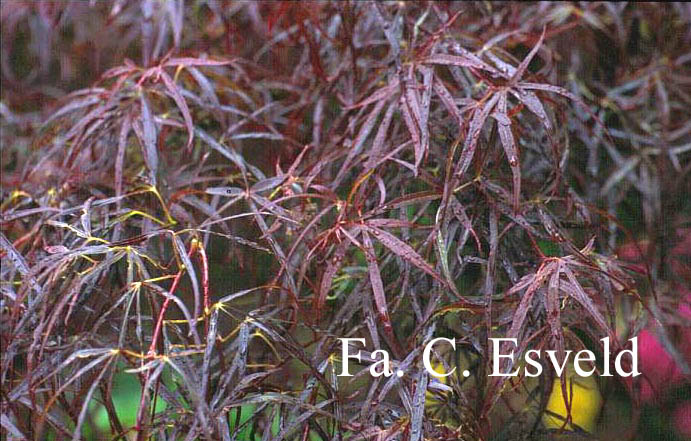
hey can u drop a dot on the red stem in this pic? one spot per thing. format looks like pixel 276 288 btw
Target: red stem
pixel 205 277
pixel 205 284
pixel 159 323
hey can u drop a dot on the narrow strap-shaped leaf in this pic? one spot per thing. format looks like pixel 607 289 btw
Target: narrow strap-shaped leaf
pixel 456 60
pixel 77 435
pixel 18 261
pixel 191 61
pixel 403 250
pixel 520 70
pixel 391 31
pixel 267 184
pixel 575 290
pixel 425 101
pixel 553 312
pixel 476 124
pixel 535 282
pixel 332 266
pixel 228 152
pixel 74 105
pixel 413 130
pixel 380 94
pixel 225 191
pixel 390 223
pixel 447 100
pixel 148 137
pixel 509 145
pixel 206 87
pixel 410 106
pixel 208 353
pixel 362 135
pixel 533 103
pixel 379 141
pixel 189 269
pixel 120 158
pixel 620 173
pixel 505 69
pixel 551 88
pixel 418 406
pixel 182 105
pixel 459 211
pixel 375 280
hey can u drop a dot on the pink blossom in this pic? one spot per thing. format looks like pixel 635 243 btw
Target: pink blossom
pixel 659 369
pixel 682 419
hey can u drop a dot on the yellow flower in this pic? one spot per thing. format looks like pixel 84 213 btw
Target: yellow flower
pixel 585 403
pixel 430 396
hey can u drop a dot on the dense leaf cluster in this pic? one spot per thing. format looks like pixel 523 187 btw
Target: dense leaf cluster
pixel 207 195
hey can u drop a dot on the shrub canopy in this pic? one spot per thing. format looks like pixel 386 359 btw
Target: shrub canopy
pixel 204 196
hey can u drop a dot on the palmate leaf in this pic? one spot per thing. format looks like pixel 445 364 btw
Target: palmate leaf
pixel 560 276
pixel 571 287
pixel 495 103
pixel 515 87
pixel 531 283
